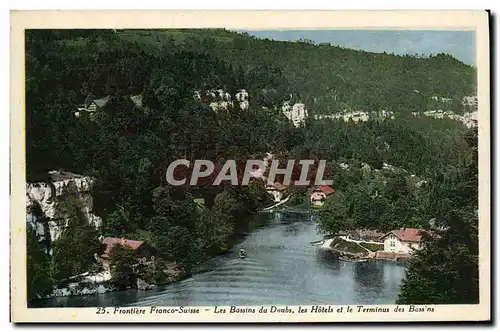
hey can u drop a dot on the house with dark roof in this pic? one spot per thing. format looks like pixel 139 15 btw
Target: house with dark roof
pixel 143 251
pixel 97 104
pixel 318 195
pixel 404 240
pixel 93 105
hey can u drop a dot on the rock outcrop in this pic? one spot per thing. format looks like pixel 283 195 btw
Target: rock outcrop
pixel 143 285
pixel 221 101
pixel 296 113
pixel 44 197
pixel 82 288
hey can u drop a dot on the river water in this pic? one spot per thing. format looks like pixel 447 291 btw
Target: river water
pixel 282 268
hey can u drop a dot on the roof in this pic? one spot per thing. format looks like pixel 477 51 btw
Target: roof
pixel 137 100
pixel 327 190
pixel 368 233
pixel 278 186
pixel 101 102
pixel 407 234
pixel 110 242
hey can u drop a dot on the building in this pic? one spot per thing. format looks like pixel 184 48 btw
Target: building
pixel 367 235
pixel 318 195
pixel 242 95
pixel 94 105
pixel 276 190
pixel 143 251
pixel 403 241
pixel 97 104
pixel 473 118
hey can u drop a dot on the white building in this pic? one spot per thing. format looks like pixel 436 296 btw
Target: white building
pixel 276 190
pixel 403 241
pixel 319 194
pixel 242 95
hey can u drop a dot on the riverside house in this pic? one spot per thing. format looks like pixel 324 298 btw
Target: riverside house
pixel 318 195
pixel 143 251
pixel 403 241
pixel 276 190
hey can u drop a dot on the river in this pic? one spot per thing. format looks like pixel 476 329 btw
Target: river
pixel 282 268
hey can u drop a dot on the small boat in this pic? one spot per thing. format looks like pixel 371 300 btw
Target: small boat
pixel 243 253
pixel 318 243
pixel 351 260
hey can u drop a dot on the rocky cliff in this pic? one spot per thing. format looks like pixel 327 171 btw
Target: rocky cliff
pixel 42 199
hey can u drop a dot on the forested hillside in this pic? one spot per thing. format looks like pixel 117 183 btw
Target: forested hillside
pixel 67 67
pixel 328 78
pixel 126 147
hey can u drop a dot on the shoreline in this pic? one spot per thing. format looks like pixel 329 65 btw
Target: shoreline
pixel 368 255
pixel 90 288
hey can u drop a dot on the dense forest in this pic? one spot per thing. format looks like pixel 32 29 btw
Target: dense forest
pixel 126 148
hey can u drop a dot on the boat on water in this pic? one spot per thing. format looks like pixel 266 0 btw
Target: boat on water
pixel 242 253
pixel 352 260
pixel 318 243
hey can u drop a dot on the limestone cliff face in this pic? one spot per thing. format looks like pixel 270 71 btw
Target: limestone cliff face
pixel 296 113
pixel 220 100
pixel 45 196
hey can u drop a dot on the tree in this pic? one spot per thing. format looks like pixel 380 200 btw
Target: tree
pixel 336 214
pixel 177 246
pixel 75 249
pixel 38 267
pixel 447 270
pixel 175 206
pixel 126 147
pixel 123 265
pixel 118 223
pixel 216 225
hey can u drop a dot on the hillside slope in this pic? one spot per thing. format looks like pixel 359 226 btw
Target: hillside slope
pixel 328 77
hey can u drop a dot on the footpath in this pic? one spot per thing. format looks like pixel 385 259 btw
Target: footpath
pixel 275 205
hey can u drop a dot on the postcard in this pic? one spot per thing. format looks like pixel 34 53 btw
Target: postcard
pixel 250 166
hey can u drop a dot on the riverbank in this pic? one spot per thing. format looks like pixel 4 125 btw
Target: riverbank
pixel 277 270
pixel 361 250
pixel 101 283
pixel 94 284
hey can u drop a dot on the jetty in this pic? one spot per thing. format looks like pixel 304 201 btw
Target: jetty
pixel 270 208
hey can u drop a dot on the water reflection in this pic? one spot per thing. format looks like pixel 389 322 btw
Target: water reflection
pixel 291 230
pixel 368 275
pixel 282 267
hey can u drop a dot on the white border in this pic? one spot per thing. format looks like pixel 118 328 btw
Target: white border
pixel 480 148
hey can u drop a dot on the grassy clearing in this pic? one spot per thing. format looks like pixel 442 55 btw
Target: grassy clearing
pixel 351 247
pixel 298 203
pixel 373 246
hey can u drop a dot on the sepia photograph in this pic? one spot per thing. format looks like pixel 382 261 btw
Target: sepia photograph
pixel 187 172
